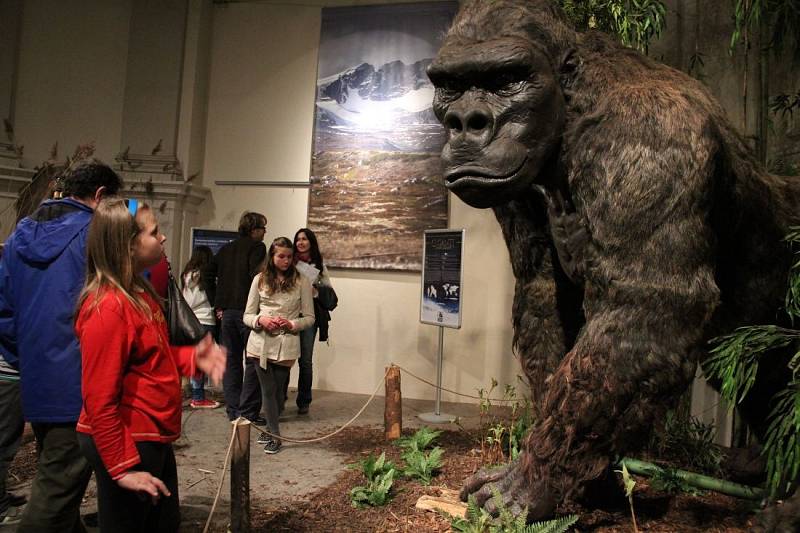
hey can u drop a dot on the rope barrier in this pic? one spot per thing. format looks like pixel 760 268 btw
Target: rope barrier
pixel 435 386
pixel 331 434
pixel 372 397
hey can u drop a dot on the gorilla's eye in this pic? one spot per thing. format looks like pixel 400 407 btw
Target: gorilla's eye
pixel 448 93
pixel 508 83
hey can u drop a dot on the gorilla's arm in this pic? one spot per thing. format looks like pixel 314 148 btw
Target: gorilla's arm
pixel 546 310
pixel 643 186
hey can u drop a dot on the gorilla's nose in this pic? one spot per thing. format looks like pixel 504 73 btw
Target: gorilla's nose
pixel 471 124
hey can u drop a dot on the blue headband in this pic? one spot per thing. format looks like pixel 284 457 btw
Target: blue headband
pixel 133 206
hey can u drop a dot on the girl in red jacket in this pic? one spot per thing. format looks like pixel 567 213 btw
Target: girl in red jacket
pixel 131 375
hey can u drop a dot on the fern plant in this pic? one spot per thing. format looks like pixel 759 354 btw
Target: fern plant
pixel 687 441
pixel 375 493
pixel 667 480
pixel 735 360
pixel 478 520
pixel 380 475
pixel 420 440
pixel 419 464
pixel 372 466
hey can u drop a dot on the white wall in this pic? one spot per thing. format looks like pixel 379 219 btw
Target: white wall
pixel 260 124
pixel 71 77
pixel 256 115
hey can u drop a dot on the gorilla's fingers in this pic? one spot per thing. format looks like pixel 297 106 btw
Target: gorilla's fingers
pixel 516 509
pixel 483 498
pixel 491 506
pixel 482 477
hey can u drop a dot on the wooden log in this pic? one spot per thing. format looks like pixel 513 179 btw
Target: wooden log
pixel 447 501
pixel 240 478
pixel 393 410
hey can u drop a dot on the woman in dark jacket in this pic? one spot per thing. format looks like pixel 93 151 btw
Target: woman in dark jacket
pixel 307 251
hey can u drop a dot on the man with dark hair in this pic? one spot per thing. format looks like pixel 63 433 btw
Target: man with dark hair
pixel 42 271
pixel 227 280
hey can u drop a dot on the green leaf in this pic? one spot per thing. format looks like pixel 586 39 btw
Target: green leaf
pixel 557 525
pixel 421 440
pixel 627 480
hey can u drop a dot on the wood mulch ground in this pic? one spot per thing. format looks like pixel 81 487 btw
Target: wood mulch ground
pixel 329 509
pixel 23 467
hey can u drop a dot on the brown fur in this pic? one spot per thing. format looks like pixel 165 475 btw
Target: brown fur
pixel 682 241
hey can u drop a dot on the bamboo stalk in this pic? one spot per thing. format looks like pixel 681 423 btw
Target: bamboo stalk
pixel 700 481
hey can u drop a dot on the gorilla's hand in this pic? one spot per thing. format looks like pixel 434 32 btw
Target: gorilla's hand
pixel 516 491
pixel 782 517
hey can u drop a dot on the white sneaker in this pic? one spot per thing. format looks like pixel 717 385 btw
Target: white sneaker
pixel 11 516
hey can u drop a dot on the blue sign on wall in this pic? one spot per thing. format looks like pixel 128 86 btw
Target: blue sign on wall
pixel 213 238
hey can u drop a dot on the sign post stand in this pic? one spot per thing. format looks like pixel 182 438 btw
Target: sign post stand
pixel 441 298
pixel 437 417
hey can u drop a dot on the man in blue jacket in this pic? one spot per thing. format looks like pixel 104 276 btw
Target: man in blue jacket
pixel 42 271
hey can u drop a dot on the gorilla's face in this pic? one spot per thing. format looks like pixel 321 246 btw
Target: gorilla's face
pixel 503 108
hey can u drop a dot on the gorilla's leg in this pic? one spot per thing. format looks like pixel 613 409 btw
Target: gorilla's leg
pixel 590 412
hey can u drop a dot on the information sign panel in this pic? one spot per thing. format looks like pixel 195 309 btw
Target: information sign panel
pixel 442 271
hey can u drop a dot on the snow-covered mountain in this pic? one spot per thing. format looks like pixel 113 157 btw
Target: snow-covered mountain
pixel 366 96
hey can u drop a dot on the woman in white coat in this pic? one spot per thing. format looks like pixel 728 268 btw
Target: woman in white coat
pixel 280 305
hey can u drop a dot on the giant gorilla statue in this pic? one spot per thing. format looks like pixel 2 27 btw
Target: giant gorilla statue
pixel 637 220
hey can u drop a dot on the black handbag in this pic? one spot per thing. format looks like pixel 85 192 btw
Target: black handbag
pixel 326 297
pixel 182 324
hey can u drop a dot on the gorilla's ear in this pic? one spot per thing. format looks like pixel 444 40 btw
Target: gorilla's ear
pixel 568 68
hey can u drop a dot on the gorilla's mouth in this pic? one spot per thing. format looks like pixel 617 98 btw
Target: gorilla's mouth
pixel 477 176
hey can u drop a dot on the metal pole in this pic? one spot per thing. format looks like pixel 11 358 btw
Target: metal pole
pixel 439 364
pixel 437 417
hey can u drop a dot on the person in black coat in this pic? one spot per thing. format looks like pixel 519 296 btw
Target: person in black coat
pixel 227 279
pixel 307 251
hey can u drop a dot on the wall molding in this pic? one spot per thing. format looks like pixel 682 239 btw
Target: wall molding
pixel 262 183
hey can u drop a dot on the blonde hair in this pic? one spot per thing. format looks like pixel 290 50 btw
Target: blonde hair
pixel 109 254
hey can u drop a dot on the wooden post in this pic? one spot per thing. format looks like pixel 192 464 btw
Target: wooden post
pixel 240 478
pixel 393 410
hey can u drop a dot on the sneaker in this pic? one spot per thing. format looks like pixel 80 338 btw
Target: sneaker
pixel 204 404
pixel 258 421
pixel 12 515
pixel 272 447
pixel 91 520
pixel 263 438
pixel 302 410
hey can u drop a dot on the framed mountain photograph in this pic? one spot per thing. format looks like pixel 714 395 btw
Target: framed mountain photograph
pixel 376 180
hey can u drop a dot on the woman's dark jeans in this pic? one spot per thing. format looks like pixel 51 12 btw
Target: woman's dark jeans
pixel 307 339
pixel 273 380
pixel 124 511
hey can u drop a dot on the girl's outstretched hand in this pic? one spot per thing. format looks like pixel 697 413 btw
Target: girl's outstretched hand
pixel 210 358
pixel 144 483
